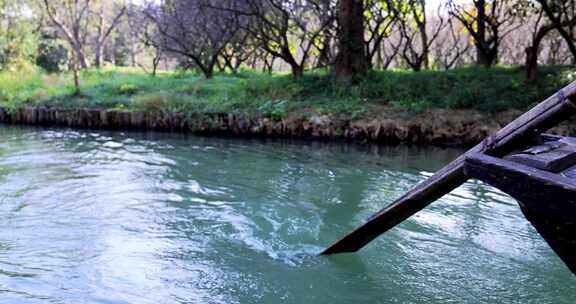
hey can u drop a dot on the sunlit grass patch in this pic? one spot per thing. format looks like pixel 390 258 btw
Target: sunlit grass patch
pixel 489 90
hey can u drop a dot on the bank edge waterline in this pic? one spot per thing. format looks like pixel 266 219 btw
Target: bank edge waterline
pixel 434 126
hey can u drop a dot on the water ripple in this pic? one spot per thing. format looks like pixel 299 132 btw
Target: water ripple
pixel 104 217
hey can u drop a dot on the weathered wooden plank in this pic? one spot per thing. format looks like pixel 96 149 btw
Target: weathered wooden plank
pixel 549 137
pixel 569 173
pixel 552 156
pixel 544 116
pixel 525 183
pixel 547 200
pixel 563 139
pixel 568 140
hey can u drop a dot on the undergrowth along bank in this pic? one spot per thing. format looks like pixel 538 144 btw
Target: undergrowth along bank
pixel 278 95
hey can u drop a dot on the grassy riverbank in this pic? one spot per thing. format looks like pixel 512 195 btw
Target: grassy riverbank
pixel 485 90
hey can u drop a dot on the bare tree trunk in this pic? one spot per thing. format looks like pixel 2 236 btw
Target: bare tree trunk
pixel 481 45
pixel 104 33
pixel 269 65
pixel 531 62
pixel 324 56
pixel 533 50
pixel 154 69
pixel 133 54
pixel 80 57
pixel 425 45
pixel 351 58
pixel 77 91
pixel 98 55
pixel 297 71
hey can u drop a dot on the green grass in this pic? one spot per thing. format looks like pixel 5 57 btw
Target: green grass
pixel 278 95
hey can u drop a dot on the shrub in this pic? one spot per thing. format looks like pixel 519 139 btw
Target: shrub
pixel 51 56
pixel 276 109
pixel 127 89
pixel 152 102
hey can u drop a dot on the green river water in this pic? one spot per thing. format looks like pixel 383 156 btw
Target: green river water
pixel 105 217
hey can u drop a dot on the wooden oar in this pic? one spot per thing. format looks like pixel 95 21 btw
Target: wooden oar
pixel 544 116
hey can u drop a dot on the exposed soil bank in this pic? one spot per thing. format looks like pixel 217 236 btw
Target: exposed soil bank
pixel 389 125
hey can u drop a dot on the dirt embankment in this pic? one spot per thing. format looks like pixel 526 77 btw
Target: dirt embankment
pixel 390 125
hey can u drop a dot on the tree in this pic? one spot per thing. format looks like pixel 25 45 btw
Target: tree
pixel 351 59
pixel 541 28
pixel 108 17
pixel 77 20
pixel 543 17
pixel 193 30
pixel 562 16
pixel 557 51
pixel 238 51
pixel 289 30
pixel 144 39
pixel 451 48
pixel 71 19
pixel 325 49
pixel 379 19
pixel 488 22
pixel 414 23
pixel 18 34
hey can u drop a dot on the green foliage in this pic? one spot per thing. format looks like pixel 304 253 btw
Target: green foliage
pixel 276 108
pixel 18 39
pixel 18 88
pixel 51 56
pixel 487 90
pixel 280 95
pixel 127 89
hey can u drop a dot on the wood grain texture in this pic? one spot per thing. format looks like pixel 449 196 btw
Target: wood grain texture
pixel 547 200
pixel 552 156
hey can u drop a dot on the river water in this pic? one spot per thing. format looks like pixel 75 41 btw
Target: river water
pixel 104 217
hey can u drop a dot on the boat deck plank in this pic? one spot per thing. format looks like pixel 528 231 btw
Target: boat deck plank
pixel 552 156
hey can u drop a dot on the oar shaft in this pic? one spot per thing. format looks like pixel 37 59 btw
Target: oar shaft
pixel 544 116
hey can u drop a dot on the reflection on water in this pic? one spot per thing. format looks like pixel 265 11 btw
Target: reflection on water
pixel 101 217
